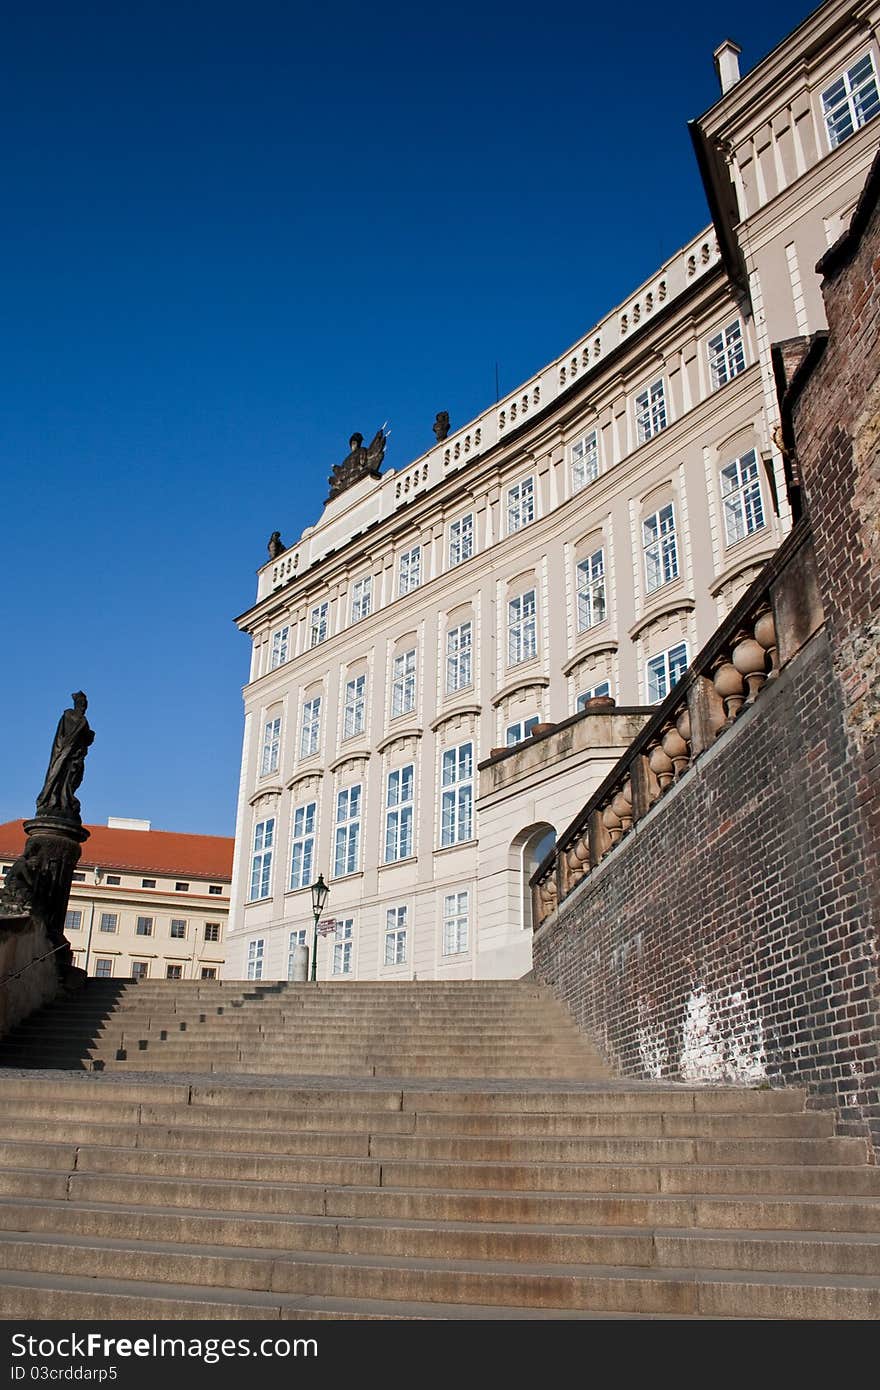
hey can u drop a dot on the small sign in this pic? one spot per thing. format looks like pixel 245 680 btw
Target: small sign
pixel 326 926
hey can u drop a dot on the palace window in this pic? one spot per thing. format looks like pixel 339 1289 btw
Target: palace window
pixel 355 706
pixel 399 801
pixel 664 670
pixel 660 547
pixel 741 497
pixel 522 628
pixel 174 972
pixel 109 921
pixel 255 959
pixel 209 972
pixel 144 926
pixel 73 920
pixel 603 688
pixel 651 411
pixel 181 887
pixel 461 540
pixel 212 931
pixel 113 880
pixel 361 598
pixel 520 505
pixel 271 747
pixel 522 729
pixel 310 733
pixel 103 968
pixel 140 969
pixel 851 101
pixel 584 461
pixel 297 938
pixel 342 944
pixel 178 928
pixel 457 795
pixel 150 883
pixel 348 831
pixel 727 357
pixel 591 591
pixel 215 889
pixel 319 624
pixel 280 647
pixel 455 923
pixel 403 684
pixel 302 853
pixel 395 936
pixel 409 574
pixel 458 658
pixel 261 859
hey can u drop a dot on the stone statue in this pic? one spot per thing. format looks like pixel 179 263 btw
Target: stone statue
pixel 441 425
pixel 73 738
pixel 358 463
pixel 276 545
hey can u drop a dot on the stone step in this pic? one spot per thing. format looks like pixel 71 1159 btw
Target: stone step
pixel 581 1287
pixel 376 1144
pixel 374 1120
pixel 608 1176
pixel 800 1251
pixel 55 1297
pixel 560 1100
pixel 699 1209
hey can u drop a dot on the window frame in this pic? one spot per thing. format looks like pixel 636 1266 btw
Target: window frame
pixel 457 794
pixel 409 570
pixel 399 813
pixel 256 955
pixel 526 728
pixel 271 754
pixel 280 647
pixel 850 100
pixel 745 493
pixel 144 926
pixel 403 683
pixel 592 592
pixel 729 358
pixel 319 624
pixel 584 469
pixel 651 412
pixel 666 672
pixel 462 540
pixel 522 628
pixel 395 935
pixel 595 692
pixel 262 854
pixel 310 727
pixel 361 598
pixel 343 944
pixel 452 923
pixel 354 708
pixel 459 656
pixel 347 830
pixel 305 840
pixel 519 497
pixel 665 542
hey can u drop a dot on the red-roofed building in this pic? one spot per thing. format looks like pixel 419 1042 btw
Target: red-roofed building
pixel 144 902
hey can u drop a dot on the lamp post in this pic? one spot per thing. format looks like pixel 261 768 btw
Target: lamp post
pixel 320 893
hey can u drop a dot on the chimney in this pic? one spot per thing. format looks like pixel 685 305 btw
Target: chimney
pixel 726 57
pixel 126 823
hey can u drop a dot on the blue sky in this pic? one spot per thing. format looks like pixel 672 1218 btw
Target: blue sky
pixel 234 234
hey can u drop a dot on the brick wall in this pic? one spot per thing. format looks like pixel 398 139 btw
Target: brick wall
pixel 730 935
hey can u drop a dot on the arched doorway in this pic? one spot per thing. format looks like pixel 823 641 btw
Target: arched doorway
pixel 527 849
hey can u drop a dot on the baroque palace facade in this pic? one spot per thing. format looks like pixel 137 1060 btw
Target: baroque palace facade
pixel 577 542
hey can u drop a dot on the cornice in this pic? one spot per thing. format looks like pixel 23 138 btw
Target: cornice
pixel 537 681
pixel 608 644
pixel 455 713
pixel 684 603
pixel 398 736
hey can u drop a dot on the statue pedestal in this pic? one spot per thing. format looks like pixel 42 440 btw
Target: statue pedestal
pixel 52 852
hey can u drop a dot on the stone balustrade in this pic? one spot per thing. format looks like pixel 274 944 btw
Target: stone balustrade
pixel 722 683
pixel 397 487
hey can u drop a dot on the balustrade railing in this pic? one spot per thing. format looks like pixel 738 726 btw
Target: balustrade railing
pixel 726 678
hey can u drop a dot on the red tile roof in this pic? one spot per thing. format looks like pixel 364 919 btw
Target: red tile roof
pixel 141 851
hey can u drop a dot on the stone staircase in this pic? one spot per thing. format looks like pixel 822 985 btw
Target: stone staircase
pixel 464 1029
pixel 452 1193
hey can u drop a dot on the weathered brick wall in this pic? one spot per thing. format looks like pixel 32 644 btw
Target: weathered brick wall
pixel 836 423
pixel 732 934
pixel 724 938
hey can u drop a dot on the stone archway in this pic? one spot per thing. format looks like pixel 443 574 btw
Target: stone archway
pixel 527 849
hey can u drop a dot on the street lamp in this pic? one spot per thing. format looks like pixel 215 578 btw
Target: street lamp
pixel 320 893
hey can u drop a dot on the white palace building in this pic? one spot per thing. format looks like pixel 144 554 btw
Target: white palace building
pixel 425 703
